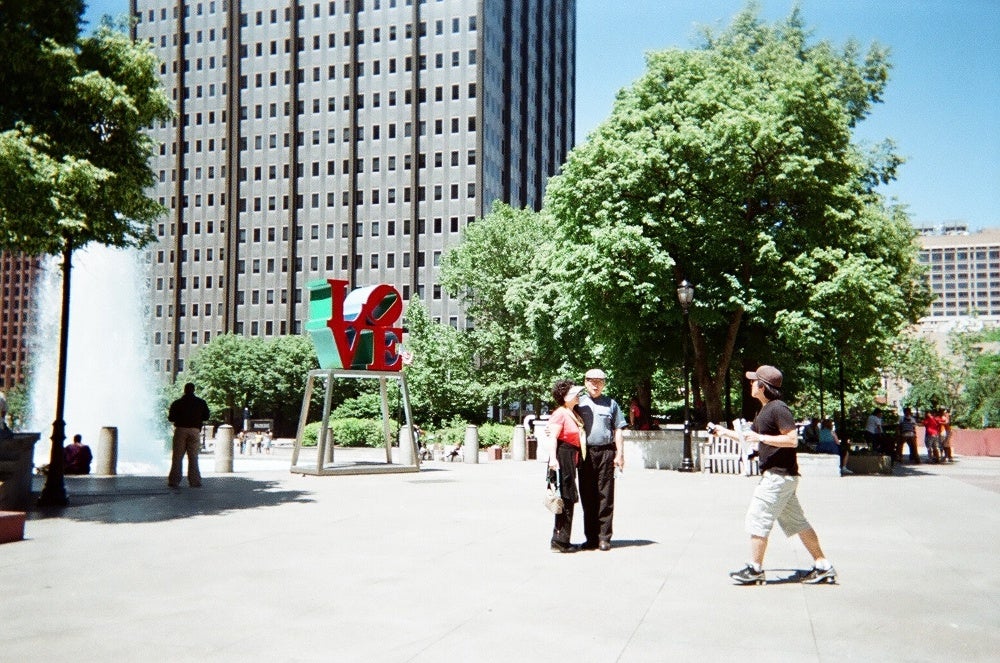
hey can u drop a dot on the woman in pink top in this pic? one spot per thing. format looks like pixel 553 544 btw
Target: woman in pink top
pixel 564 429
pixel 932 436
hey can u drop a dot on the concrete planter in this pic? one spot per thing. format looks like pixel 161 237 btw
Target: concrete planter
pixel 869 464
pixel 818 465
pixel 11 526
pixel 658 449
pixel 16 465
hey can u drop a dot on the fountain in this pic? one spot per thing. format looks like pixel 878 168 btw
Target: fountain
pixel 109 376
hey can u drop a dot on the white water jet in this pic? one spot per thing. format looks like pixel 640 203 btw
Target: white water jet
pixel 109 376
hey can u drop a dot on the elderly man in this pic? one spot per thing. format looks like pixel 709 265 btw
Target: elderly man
pixel 603 421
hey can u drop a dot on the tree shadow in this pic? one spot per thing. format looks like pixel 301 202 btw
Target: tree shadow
pixel 147 499
pixel 907 470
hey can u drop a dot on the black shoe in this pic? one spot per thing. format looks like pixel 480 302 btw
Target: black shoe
pixel 604 545
pixel 589 545
pixel 817 576
pixel 747 576
pixel 559 546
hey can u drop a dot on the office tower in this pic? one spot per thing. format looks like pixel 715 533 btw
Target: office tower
pixel 349 139
pixel 18 274
pixel 963 272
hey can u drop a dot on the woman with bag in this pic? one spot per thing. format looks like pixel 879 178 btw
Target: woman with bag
pixel 564 430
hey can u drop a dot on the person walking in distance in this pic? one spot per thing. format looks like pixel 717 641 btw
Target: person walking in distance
pixel 774 498
pixel 603 421
pixel 187 414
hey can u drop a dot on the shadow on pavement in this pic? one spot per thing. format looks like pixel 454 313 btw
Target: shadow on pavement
pixel 147 499
pixel 630 543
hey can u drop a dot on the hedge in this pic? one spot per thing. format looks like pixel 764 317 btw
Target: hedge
pixel 350 432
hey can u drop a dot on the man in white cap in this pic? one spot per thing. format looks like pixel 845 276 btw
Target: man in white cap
pixel 774 498
pixel 604 421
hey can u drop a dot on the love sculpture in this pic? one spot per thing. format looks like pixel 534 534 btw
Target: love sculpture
pixel 357 330
pixel 356 335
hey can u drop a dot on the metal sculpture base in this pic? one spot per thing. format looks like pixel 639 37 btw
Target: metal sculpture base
pixel 325 465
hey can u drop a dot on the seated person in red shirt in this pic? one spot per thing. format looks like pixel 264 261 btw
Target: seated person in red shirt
pixel 77 457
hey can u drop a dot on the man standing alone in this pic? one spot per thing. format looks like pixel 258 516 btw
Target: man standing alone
pixel 774 498
pixel 603 420
pixel 187 414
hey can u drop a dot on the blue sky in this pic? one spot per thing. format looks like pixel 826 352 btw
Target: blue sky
pixel 942 105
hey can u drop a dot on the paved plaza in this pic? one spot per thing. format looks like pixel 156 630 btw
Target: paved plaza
pixel 453 564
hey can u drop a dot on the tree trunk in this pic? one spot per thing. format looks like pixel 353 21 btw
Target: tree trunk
pixel 712 384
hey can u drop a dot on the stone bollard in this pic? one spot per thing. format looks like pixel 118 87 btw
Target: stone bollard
pixel 224 449
pixel 405 448
pixel 106 461
pixel 471 447
pixel 519 447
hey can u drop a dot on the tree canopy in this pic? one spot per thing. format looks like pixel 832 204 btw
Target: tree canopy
pixel 732 166
pixel 73 151
pixel 268 376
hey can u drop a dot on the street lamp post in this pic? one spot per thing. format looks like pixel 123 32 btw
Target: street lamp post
pixel 685 295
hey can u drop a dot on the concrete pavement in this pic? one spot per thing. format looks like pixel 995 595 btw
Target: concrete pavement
pixel 452 564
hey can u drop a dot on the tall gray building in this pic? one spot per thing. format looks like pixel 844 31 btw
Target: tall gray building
pixel 352 139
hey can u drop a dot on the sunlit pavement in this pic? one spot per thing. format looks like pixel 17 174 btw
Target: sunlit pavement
pixel 453 564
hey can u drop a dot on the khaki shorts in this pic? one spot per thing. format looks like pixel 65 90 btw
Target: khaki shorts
pixel 774 499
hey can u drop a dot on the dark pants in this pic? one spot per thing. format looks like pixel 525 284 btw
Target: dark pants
pixel 568 456
pixel 597 492
pixel 911 442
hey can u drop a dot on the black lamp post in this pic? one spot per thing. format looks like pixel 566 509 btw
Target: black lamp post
pixel 685 295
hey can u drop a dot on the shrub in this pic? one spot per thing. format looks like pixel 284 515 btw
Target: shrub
pixel 350 432
pixel 453 434
pixel 310 434
pixel 499 435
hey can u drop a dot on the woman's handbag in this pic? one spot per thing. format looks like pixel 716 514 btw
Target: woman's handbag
pixel 553 500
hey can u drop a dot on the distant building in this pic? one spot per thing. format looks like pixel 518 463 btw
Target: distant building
pixel 17 276
pixel 964 273
pixel 351 139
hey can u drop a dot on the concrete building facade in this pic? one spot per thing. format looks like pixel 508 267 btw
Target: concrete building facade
pixel 350 139
pixel 963 273
pixel 18 274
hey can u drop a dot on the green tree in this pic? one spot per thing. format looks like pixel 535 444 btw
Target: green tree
pixel 74 159
pixel 918 362
pixel 495 271
pixel 440 381
pixel 267 376
pixel 980 352
pixel 732 166
pixel 282 380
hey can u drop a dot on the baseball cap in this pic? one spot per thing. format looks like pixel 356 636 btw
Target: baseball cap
pixel 766 374
pixel 596 374
pixel 573 391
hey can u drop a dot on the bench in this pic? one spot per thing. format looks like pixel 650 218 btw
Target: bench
pixel 723 455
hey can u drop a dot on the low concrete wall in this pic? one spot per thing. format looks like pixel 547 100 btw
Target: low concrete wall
pixel 869 464
pixel 985 442
pixel 818 465
pixel 658 449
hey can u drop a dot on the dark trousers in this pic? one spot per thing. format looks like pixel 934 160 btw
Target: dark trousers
pixel 911 442
pixel 568 456
pixel 597 492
